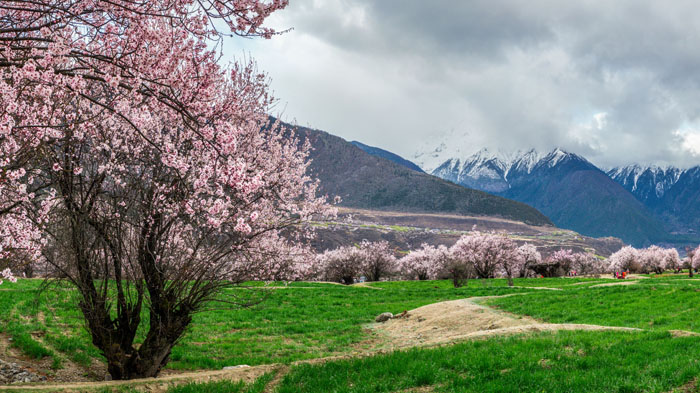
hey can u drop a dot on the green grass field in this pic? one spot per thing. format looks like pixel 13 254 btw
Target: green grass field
pixel 312 320
pixel 560 362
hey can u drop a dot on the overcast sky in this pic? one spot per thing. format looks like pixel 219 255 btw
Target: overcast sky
pixel 616 81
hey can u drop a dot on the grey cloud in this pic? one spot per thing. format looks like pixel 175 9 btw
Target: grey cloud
pixel 512 74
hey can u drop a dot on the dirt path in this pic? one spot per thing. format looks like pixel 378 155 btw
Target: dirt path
pixel 544 288
pixel 612 284
pixel 464 319
pixel 365 285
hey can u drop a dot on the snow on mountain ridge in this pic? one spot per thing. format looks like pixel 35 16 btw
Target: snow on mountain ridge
pixel 491 170
pixel 645 181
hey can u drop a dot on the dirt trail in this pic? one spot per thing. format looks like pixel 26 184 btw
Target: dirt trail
pixel 365 285
pixel 543 288
pixel 464 319
pixel 612 284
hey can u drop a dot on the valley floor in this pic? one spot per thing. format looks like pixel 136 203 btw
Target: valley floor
pixel 566 334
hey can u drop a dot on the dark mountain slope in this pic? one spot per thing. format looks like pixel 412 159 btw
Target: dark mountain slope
pixel 371 182
pixel 375 151
pixel 577 195
pixel 680 206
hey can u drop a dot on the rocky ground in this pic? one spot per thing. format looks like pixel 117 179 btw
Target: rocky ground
pixel 14 373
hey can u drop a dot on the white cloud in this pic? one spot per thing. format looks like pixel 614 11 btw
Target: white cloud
pixel 689 141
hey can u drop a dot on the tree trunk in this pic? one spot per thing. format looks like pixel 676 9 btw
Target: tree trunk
pixel 153 354
pixel 347 280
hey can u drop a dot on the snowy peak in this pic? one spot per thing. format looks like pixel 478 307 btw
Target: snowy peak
pixel 493 170
pixel 559 156
pixel 526 162
pixel 648 183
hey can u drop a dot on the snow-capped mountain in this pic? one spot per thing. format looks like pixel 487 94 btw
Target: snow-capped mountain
pixel 648 183
pixel 495 171
pixel 566 187
pixel 482 170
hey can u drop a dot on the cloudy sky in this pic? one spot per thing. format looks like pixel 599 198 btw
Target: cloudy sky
pixel 616 81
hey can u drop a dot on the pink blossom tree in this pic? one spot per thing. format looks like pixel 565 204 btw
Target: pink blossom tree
pixel 147 175
pixel 657 259
pixel 373 260
pixel 625 259
pixel 66 66
pixel 529 257
pixel 673 259
pixel 585 263
pixel 378 260
pixel 556 264
pixel 486 255
pixel 341 265
pixel 424 263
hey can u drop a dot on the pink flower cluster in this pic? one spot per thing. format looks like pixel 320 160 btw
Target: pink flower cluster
pixel 693 258
pixel 6 274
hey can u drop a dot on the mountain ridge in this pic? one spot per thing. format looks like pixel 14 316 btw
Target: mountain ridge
pixel 375 151
pixel 367 181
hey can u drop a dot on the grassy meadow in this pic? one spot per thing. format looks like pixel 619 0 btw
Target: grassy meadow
pixel 303 321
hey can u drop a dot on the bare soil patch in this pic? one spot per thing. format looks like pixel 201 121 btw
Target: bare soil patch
pixel 70 371
pixel 457 320
pixel 683 333
pixel 155 385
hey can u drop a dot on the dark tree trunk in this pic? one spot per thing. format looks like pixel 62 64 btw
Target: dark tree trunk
pixel 28 270
pixel 460 276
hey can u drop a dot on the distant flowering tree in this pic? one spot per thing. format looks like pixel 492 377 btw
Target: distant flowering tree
pixel 487 255
pixel 373 260
pixel 377 260
pixel 529 257
pixel 673 259
pixel 144 173
pixel 424 263
pixel 557 264
pixel 585 263
pixel 693 259
pixel 656 259
pixel 626 259
pixel 341 265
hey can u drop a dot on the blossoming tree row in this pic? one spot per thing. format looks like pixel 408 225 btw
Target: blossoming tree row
pixel 475 255
pixel 653 259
